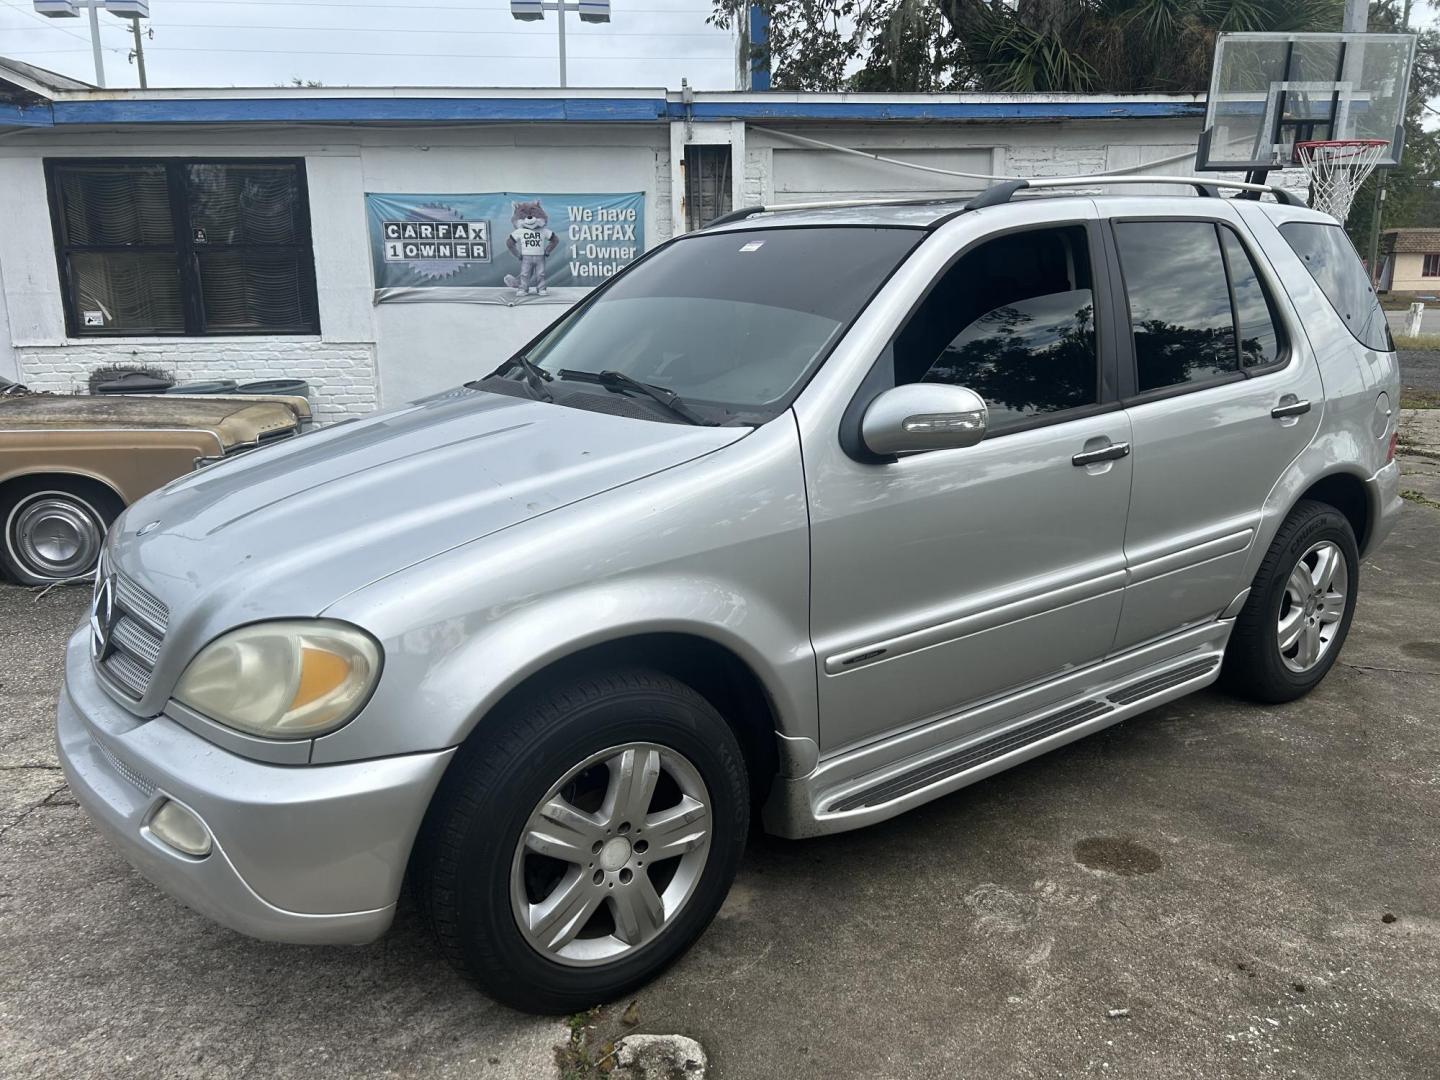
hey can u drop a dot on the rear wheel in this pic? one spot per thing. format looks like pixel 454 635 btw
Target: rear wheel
pixel 1295 621
pixel 583 839
pixel 53 528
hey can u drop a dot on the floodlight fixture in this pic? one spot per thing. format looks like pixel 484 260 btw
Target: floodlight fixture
pixel 594 11
pixel 590 11
pixel 128 9
pixel 58 9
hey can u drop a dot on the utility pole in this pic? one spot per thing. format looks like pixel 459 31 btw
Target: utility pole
pixel 124 9
pixel 139 51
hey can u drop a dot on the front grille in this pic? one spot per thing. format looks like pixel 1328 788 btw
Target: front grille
pixel 136 637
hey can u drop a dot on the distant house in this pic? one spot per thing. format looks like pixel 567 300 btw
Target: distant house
pixel 1410 260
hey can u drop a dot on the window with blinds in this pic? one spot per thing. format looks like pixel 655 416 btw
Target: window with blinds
pixel 184 247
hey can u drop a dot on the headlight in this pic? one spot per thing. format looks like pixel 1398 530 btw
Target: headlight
pixel 291 679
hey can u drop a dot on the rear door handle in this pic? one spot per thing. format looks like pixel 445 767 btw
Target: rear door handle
pixel 1290 408
pixel 1113 452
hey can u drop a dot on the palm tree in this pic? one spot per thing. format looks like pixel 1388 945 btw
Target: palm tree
pixel 1012 45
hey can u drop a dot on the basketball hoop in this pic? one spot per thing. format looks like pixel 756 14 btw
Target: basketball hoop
pixel 1337 168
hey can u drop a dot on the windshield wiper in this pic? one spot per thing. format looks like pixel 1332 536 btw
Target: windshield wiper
pixel 535 376
pixel 619 382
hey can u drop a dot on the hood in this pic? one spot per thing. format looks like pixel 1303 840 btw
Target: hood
pixel 291 528
pixel 234 420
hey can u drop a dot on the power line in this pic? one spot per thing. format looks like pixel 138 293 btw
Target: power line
pixel 50 24
pixel 293 4
pixel 421 55
pixel 713 36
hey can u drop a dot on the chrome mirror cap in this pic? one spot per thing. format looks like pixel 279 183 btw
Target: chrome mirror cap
pixel 923 416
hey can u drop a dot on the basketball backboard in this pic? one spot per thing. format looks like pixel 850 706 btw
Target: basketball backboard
pixel 1269 91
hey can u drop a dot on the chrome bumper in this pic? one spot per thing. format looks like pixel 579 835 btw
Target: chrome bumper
pixel 310 854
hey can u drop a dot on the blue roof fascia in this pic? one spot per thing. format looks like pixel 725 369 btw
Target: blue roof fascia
pixel 937 110
pixel 25 116
pixel 355 110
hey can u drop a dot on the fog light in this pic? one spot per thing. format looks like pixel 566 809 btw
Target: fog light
pixel 181 829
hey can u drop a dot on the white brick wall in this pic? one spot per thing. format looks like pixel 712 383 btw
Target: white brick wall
pixel 341 375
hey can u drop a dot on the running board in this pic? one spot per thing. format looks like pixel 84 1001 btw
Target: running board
pixel 942 772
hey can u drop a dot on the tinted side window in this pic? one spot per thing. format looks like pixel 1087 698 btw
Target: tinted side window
pixel 1330 257
pixel 1013 320
pixel 1259 340
pixel 1179 302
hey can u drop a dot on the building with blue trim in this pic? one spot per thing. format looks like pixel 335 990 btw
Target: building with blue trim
pixel 138 221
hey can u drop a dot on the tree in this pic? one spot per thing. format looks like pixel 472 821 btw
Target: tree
pixel 1412 197
pixel 1017 46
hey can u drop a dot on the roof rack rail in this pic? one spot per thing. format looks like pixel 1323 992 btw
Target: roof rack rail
pixel 999 193
pixel 1002 192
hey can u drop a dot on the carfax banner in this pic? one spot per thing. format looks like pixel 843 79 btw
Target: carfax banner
pixel 502 247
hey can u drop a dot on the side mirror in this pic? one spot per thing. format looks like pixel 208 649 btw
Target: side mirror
pixel 923 416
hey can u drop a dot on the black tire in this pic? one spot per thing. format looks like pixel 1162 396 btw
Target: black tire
pixel 461 870
pixel 1254 667
pixel 87 505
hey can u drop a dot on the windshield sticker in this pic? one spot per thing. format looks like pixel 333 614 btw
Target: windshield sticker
pixel 753 245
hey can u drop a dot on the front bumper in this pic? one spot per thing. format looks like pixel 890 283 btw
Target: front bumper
pixel 312 854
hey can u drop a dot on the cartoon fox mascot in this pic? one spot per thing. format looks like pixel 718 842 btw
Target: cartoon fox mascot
pixel 531 242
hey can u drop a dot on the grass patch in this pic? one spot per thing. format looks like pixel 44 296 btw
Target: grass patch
pixel 1411 398
pixel 1420 499
pixel 1418 343
pixel 585 1056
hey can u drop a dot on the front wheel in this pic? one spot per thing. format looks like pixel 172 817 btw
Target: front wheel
pixel 1291 629
pixel 583 839
pixel 53 528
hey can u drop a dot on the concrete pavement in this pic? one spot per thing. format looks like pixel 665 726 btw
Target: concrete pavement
pixel 1212 889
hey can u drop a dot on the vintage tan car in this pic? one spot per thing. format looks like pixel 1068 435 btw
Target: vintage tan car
pixel 70 463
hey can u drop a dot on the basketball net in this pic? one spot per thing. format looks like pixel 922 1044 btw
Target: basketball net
pixel 1337 168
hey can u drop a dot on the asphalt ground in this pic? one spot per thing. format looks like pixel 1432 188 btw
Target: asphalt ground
pixel 1211 889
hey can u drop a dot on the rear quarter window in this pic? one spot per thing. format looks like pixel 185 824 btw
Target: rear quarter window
pixel 1330 257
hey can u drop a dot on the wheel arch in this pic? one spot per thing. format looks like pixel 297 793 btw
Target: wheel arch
pixel 1348 493
pixel 59 475
pixel 713 670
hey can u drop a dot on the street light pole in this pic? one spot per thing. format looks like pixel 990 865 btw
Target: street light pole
pixel 95 43
pixel 591 11
pixel 125 9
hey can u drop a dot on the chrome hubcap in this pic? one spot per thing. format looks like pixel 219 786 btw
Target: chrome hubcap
pixel 611 854
pixel 1313 605
pixel 54 535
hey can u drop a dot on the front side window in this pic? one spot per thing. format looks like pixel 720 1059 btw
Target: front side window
pixel 1330 257
pixel 1014 321
pixel 184 247
pixel 733 322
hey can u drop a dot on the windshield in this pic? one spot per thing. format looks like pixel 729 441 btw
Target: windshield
pixel 731 322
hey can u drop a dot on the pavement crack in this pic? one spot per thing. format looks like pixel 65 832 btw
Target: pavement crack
pixel 1391 670
pixel 30 810
pixel 30 765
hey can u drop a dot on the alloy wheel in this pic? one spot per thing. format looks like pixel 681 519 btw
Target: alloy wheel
pixel 1313 606
pixel 611 854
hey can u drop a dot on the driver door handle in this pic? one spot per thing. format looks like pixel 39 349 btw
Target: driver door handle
pixel 1290 408
pixel 1113 452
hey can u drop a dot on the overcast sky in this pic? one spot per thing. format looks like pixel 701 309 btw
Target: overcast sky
pixel 650 43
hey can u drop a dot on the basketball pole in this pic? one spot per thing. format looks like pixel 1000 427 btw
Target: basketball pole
pixel 1357 16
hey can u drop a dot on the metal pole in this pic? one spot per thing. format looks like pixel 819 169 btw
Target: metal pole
pixel 1357 16
pixel 94 6
pixel 1376 211
pixel 139 53
pixel 560 17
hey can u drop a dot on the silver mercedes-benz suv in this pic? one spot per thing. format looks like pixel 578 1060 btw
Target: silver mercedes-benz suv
pixel 818 513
